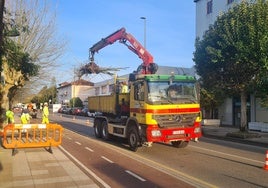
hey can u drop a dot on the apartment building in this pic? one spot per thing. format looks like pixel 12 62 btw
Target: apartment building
pixel 78 88
pixel 207 12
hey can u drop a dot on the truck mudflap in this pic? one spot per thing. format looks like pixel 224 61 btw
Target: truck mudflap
pixel 155 134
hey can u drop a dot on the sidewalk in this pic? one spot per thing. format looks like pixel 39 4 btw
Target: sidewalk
pixel 37 168
pixel 220 132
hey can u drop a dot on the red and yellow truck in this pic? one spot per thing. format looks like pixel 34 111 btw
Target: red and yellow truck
pixel 158 108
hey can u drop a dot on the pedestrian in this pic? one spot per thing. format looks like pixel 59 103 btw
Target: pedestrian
pixel 124 87
pixel 25 116
pixel 10 116
pixel 45 114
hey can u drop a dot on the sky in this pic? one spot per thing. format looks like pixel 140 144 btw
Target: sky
pixel 170 33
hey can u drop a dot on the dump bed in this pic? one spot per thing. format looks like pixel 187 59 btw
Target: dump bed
pixel 107 103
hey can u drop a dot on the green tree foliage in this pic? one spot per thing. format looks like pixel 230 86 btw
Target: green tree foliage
pixel 46 94
pixel 17 69
pixel 232 55
pixel 209 101
pixel 19 61
pixel 76 102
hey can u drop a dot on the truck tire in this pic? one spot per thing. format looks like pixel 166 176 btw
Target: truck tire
pixel 179 144
pixel 105 133
pixel 97 128
pixel 133 138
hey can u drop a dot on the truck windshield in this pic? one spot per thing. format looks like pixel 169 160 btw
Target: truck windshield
pixel 160 92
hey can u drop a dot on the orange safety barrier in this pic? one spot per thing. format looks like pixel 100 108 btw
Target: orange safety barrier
pixel 32 135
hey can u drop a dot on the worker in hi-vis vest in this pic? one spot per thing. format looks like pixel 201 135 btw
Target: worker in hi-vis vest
pixel 10 116
pixel 45 113
pixel 25 116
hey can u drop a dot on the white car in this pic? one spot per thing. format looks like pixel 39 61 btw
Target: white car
pixel 93 114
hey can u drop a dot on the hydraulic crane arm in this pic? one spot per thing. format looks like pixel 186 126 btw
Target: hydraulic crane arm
pixel 147 67
pixel 105 42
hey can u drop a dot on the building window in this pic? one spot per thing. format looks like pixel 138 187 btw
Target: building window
pixel 104 89
pixel 111 88
pixel 97 91
pixel 229 1
pixel 209 7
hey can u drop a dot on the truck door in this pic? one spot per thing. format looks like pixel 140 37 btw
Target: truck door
pixel 137 105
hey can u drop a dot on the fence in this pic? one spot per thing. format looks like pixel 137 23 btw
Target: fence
pixel 31 135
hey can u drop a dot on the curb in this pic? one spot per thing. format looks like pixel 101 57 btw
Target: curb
pixel 238 140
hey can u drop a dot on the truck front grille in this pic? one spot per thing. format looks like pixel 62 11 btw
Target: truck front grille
pixel 175 120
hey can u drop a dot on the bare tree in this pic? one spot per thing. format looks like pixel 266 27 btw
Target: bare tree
pixel 35 22
pixel 93 68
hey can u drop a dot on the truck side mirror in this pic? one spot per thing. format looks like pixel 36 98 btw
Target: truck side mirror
pixel 132 77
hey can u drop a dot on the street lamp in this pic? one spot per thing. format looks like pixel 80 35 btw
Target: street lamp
pixel 144 18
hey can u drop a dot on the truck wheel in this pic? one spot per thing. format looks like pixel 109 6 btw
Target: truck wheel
pixel 97 128
pixel 179 144
pixel 105 133
pixel 133 139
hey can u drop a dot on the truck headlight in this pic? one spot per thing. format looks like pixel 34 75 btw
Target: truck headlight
pixel 156 133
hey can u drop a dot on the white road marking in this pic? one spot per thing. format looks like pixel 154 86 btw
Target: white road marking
pixel 226 154
pixel 78 143
pixel 87 148
pixel 86 169
pixel 107 159
pixel 166 169
pixel 135 175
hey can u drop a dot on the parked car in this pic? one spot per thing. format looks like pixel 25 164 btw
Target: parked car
pixel 93 114
pixel 76 110
pixel 60 110
pixel 66 110
pixel 84 112
pixel 90 114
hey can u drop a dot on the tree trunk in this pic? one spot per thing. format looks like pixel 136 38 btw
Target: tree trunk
pixel 5 103
pixel 13 80
pixel 2 5
pixel 210 113
pixel 243 123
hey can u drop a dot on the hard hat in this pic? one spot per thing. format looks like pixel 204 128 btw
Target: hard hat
pixel 45 103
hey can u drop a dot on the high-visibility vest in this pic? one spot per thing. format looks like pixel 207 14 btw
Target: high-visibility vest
pixel 45 111
pixel 25 117
pixel 124 89
pixel 10 116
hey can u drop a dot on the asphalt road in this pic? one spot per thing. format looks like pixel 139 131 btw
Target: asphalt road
pixel 208 163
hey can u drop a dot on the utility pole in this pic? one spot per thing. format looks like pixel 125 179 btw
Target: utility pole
pixel 144 18
pixel 74 89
